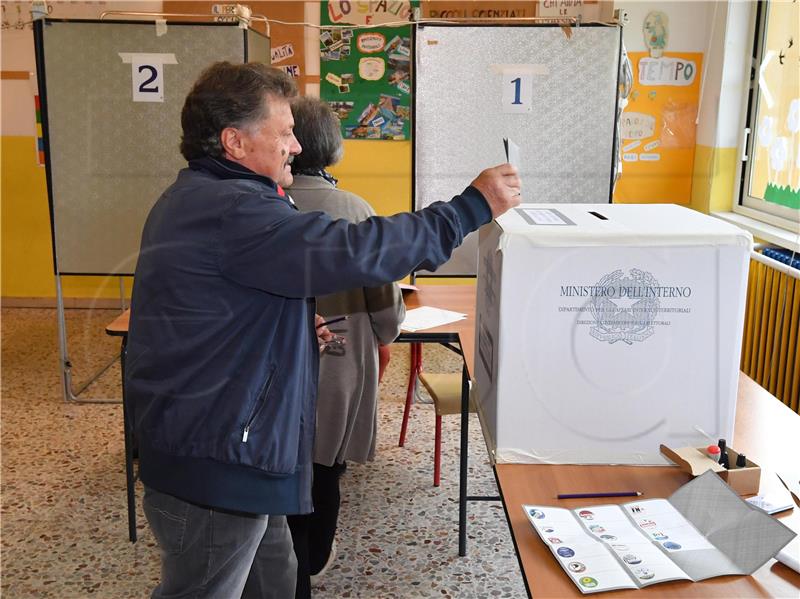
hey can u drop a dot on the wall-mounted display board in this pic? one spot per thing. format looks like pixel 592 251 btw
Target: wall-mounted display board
pixel 365 72
pixel 658 127
pixel 111 95
pixel 554 95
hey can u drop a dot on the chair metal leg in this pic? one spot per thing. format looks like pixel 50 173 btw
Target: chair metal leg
pixel 437 452
pixel 463 456
pixel 413 370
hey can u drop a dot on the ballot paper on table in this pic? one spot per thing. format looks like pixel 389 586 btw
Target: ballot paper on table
pixel 428 317
pixel 777 499
pixel 703 530
pixel 790 555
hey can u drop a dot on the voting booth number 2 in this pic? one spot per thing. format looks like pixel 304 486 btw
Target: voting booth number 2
pixel 147 74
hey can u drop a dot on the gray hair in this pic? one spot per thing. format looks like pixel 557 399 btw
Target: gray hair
pixel 316 127
pixel 228 95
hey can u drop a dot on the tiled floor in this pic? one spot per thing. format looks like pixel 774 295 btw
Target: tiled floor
pixel 64 531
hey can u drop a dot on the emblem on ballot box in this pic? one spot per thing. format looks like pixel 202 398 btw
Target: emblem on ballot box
pixel 623 308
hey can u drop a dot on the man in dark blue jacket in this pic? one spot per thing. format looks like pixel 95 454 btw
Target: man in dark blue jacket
pixel 223 354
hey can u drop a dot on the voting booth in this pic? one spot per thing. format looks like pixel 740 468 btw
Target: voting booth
pixel 605 330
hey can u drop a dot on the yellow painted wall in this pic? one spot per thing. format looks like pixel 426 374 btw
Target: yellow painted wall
pixel 713 179
pixel 27 262
pixel 378 171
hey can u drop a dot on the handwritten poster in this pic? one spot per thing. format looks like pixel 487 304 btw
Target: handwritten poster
pixel 496 10
pixel 365 73
pixel 657 129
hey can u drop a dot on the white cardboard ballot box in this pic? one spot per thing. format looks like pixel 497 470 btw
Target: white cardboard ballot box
pixel 606 330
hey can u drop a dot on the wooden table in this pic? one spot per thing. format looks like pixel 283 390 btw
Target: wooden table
pixel 763 426
pixel 458 298
pixel 766 430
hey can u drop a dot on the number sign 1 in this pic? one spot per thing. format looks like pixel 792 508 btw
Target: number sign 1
pixel 147 74
pixel 517 85
pixel 517 91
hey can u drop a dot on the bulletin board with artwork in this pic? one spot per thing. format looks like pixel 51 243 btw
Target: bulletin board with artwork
pixel 657 128
pixel 365 73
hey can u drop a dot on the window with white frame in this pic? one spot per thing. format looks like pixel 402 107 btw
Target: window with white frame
pixel 770 185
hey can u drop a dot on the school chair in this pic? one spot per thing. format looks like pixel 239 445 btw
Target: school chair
pixel 445 390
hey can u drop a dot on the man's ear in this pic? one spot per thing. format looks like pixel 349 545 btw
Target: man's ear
pixel 232 143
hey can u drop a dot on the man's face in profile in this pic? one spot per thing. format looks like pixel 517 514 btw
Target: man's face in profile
pixel 268 145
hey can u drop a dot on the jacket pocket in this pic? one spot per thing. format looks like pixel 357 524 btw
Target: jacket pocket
pixel 260 401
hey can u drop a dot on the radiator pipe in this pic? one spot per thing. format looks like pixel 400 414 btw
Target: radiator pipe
pixel 772 263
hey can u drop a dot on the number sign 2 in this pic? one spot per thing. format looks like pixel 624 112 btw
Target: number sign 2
pixel 147 74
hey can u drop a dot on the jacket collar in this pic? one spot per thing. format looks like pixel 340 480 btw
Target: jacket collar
pixel 228 169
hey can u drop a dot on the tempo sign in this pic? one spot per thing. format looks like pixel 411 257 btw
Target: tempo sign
pixel 667 71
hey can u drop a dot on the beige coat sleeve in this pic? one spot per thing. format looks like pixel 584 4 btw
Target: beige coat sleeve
pixel 386 311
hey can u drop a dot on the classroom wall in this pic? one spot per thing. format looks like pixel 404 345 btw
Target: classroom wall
pixel 379 171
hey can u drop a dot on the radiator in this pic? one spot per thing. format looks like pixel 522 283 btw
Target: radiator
pixel 771 341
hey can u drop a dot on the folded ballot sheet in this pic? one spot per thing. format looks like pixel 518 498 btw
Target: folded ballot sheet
pixel 703 530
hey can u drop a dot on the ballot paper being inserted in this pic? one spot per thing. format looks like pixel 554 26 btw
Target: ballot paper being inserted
pixel 512 152
pixel 428 317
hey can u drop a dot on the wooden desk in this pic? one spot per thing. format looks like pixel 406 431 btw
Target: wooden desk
pixel 458 298
pixel 119 326
pixel 766 430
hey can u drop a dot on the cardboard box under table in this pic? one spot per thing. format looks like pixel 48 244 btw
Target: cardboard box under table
pixel 605 330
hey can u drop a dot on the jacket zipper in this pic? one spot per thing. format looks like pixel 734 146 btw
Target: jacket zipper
pixel 260 399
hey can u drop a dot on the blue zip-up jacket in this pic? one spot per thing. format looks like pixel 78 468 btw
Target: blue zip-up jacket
pixel 222 359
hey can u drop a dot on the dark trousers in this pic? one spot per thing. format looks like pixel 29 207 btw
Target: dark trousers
pixel 312 534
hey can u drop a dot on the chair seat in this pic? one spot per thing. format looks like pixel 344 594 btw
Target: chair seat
pixel 445 389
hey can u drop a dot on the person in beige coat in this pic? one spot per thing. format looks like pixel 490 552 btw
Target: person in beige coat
pixel 347 402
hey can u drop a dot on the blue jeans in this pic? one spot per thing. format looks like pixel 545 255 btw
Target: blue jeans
pixel 217 554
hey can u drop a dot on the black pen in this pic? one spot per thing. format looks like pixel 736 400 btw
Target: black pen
pixel 332 321
pixel 592 495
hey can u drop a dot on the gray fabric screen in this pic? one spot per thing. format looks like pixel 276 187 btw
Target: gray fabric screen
pixel 110 157
pixel 566 140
